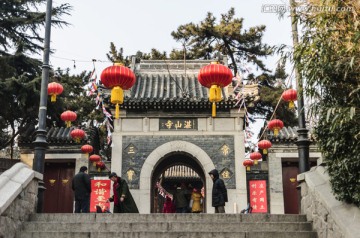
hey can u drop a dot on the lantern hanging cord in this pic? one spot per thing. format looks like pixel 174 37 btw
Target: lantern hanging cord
pixel 272 116
pixel 176 82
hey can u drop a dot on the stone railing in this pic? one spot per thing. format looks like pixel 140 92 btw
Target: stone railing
pixel 18 196
pixel 330 217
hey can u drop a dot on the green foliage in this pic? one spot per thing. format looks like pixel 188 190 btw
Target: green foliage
pixel 153 55
pixel 207 39
pixel 329 58
pixel 19 95
pixel 21 22
pixel 117 56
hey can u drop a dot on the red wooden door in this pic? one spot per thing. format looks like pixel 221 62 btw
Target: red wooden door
pixel 58 196
pixel 291 197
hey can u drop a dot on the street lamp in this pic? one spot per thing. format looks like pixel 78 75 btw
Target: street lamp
pixel 303 141
pixel 40 140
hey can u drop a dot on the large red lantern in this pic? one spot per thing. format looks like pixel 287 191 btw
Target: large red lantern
pixel 275 125
pixel 87 149
pixel 290 96
pixel 77 135
pixel 100 166
pixel 215 76
pixel 118 78
pixel 54 89
pixel 94 158
pixel 68 117
pixel 248 163
pixel 255 156
pixel 264 145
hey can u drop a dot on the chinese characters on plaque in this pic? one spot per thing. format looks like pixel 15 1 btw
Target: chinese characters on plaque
pixel 178 124
pixel 258 197
pixel 100 192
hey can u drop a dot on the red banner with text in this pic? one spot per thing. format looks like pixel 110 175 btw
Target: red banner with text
pixel 100 192
pixel 258 197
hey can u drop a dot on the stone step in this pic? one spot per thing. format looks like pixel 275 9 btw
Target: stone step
pixel 179 226
pixel 161 217
pixel 255 234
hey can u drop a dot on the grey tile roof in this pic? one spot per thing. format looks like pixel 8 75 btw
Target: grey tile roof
pixel 287 135
pixel 55 136
pixel 164 84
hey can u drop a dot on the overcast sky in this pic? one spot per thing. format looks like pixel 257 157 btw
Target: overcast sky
pixel 144 24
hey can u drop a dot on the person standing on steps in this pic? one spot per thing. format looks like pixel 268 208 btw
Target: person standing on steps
pixel 219 192
pixel 82 187
pixel 122 198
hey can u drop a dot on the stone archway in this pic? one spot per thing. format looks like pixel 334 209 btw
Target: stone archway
pixel 162 151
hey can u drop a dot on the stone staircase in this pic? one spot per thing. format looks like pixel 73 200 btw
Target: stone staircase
pixel 166 226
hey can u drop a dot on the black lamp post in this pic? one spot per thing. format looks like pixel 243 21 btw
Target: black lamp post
pixel 40 141
pixel 303 140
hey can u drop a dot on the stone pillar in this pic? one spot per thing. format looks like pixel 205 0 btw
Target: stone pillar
pixel 116 157
pixel 275 183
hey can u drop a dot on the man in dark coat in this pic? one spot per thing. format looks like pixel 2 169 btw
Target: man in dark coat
pixel 123 201
pixel 219 192
pixel 82 187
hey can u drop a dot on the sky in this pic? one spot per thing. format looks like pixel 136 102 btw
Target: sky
pixel 142 25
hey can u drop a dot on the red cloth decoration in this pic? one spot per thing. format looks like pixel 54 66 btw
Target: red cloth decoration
pixel 255 156
pixel 68 116
pixel 264 145
pixel 54 89
pixel 118 75
pixel 77 135
pixel 94 158
pixel 215 74
pixel 290 96
pixel 87 149
pixel 275 125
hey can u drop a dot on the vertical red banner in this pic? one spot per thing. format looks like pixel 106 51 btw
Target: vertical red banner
pixel 100 192
pixel 258 196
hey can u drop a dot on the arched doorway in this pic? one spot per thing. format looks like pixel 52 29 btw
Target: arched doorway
pixel 172 170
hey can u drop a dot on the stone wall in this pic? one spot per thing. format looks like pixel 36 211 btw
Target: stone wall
pixel 330 217
pixel 18 196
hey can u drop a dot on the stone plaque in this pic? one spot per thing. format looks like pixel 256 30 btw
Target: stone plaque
pixel 170 124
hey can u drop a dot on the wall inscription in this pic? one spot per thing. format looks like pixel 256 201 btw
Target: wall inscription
pixel 170 124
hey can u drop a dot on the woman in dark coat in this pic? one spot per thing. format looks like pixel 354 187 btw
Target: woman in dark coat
pixel 219 192
pixel 123 201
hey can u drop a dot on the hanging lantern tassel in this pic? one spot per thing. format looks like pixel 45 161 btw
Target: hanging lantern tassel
pixel 247 168
pixel 117 97
pixel 276 131
pixel 291 104
pixel 53 98
pixel 264 151
pixel 214 97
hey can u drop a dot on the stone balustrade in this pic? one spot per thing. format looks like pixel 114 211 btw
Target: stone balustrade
pixel 330 217
pixel 18 197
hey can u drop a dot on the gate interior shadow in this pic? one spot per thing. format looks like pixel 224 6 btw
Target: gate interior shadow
pixel 171 171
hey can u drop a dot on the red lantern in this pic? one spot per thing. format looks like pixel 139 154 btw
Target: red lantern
pixel 215 76
pixel 68 117
pixel 77 135
pixel 255 156
pixel 54 89
pixel 264 145
pixel 275 125
pixel 248 163
pixel 290 96
pixel 118 78
pixel 100 166
pixel 87 149
pixel 94 158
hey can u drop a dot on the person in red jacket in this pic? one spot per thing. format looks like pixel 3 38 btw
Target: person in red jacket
pixel 169 206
